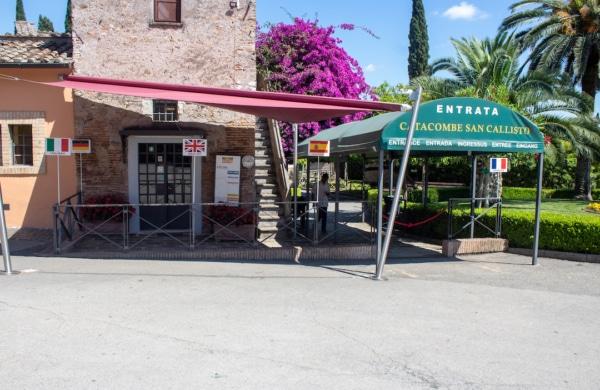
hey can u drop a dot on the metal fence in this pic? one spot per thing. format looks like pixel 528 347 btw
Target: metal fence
pixel 474 218
pixel 190 226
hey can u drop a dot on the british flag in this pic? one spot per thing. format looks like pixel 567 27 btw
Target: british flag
pixel 194 147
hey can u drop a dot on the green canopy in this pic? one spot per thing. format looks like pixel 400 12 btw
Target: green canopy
pixel 445 126
pixel 465 125
pixel 354 137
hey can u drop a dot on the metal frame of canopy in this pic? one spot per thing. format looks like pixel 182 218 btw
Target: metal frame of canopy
pixel 487 132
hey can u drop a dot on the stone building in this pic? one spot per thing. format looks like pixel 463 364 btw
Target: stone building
pixel 136 142
pixel 29 113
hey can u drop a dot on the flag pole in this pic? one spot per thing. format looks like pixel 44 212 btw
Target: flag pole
pixel 58 179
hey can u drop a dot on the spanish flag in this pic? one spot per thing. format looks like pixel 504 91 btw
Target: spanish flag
pixel 318 149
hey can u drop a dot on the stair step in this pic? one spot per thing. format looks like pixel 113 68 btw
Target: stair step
pixel 270 225
pixel 265 180
pixel 267 196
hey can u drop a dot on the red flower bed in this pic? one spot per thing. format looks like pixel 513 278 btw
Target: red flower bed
pixel 106 212
pixel 225 215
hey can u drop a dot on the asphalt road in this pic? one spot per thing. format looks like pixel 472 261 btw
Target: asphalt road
pixel 490 322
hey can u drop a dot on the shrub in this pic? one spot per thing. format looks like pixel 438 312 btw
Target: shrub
pixel 107 212
pixel 595 207
pixel 225 215
pixel 521 193
pixel 560 232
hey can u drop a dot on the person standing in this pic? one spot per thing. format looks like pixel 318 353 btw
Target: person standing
pixel 322 200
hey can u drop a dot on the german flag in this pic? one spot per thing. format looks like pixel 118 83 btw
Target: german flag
pixel 318 149
pixel 81 146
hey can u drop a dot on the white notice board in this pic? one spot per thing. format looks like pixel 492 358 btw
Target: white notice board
pixel 227 179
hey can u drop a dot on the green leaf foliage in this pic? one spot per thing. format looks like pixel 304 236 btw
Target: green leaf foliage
pixel 20 11
pixel 418 52
pixel 559 232
pixel 45 24
pixel 68 18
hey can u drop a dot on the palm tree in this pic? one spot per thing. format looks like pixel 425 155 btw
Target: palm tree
pixel 490 69
pixel 562 35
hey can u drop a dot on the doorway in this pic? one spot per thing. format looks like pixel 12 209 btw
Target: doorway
pixel 161 184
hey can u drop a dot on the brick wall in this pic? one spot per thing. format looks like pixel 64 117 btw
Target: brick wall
pixel 213 46
pixel 37 121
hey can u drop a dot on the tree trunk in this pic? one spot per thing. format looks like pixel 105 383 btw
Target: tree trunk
pixel 583 181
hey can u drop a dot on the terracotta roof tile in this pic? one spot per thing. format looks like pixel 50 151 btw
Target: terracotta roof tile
pixel 43 48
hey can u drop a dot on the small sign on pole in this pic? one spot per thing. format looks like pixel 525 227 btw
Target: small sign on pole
pixel 195 147
pixel 498 165
pixel 81 146
pixel 58 146
pixel 319 149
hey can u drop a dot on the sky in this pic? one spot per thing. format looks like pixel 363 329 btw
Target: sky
pixel 383 59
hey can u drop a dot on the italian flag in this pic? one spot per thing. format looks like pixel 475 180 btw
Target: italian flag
pixel 58 146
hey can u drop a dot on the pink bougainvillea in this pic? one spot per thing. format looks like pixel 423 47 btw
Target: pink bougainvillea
pixel 305 58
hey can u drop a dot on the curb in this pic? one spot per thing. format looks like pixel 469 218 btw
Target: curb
pixel 569 256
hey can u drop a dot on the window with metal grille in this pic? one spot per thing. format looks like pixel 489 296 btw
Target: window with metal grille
pixel 167 11
pixel 22 144
pixel 165 111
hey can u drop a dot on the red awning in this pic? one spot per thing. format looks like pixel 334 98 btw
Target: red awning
pixel 281 106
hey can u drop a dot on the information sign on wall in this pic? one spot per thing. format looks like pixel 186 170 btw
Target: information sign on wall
pixel 227 179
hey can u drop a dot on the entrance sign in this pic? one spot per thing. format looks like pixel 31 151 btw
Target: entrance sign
pixel 81 146
pixel 195 147
pixel 227 179
pixel 498 165
pixel 318 149
pixel 58 146
pixel 463 125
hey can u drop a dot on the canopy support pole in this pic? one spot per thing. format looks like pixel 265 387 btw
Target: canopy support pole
pixel 538 206
pixel 425 181
pixel 4 237
pixel 400 184
pixel 380 209
pixel 337 197
pixel 473 193
pixel 295 130
pixel 392 175
pixel 362 186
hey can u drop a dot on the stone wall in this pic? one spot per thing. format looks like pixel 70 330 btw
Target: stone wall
pixel 213 46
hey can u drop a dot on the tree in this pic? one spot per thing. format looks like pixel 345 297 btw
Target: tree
pixel 45 24
pixel 68 18
pixel 562 35
pixel 305 58
pixel 393 93
pixel 418 51
pixel 20 11
pixel 490 69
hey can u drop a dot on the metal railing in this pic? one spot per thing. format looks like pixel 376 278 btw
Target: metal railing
pixel 190 226
pixel 475 219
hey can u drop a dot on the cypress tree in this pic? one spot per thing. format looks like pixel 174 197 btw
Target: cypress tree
pixel 45 24
pixel 418 52
pixel 20 11
pixel 68 26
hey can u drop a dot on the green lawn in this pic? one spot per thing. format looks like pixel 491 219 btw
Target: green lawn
pixel 554 206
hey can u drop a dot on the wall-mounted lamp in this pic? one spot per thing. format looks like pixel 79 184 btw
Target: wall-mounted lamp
pixel 234 4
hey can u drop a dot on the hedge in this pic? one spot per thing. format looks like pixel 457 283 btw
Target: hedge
pixel 520 193
pixel 509 193
pixel 559 232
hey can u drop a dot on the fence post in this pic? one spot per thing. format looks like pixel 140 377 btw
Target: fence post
pixel 473 193
pixel 449 219
pixel 124 213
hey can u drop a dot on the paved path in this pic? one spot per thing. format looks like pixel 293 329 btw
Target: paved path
pixel 489 322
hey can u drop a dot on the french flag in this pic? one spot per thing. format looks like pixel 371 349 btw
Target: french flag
pixel 499 164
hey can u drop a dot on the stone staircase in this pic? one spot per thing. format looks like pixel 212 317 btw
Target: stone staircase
pixel 267 192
